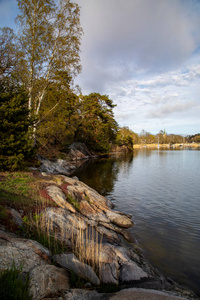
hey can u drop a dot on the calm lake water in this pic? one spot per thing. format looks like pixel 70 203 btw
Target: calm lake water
pixel 161 189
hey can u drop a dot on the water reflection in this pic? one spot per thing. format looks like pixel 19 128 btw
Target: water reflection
pixel 161 189
pixel 101 174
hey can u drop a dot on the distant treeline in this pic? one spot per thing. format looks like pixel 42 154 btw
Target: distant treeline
pixel 163 138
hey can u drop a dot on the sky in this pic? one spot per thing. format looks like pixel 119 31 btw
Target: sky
pixel 143 54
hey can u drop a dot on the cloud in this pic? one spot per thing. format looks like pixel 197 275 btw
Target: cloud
pixel 174 78
pixel 168 98
pixel 130 38
pixel 168 109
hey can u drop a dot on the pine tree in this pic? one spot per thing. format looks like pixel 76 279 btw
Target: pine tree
pixel 16 144
pixel 97 127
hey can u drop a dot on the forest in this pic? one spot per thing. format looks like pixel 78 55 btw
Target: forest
pixel 41 109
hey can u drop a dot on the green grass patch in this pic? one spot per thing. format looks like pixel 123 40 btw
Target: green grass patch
pixel 12 286
pixel 15 190
pixel 21 190
pixel 74 202
pixel 17 183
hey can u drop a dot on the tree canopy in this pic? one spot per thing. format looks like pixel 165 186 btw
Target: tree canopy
pixel 97 126
pixel 126 137
pixel 49 39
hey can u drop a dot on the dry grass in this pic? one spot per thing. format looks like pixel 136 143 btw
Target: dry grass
pixel 87 246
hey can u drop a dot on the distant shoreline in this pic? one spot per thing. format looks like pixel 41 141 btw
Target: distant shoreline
pixel 173 146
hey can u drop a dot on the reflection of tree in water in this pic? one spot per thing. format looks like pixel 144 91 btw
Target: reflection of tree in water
pixel 101 174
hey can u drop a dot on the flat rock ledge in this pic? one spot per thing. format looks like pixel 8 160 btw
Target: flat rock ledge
pixel 127 294
pixel 101 250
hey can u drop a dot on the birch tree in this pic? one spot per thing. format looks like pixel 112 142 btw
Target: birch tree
pixel 8 51
pixel 49 35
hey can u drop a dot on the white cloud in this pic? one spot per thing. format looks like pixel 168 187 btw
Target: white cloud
pixel 169 108
pixel 162 99
pixel 127 38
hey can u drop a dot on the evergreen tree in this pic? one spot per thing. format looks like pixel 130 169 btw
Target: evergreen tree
pixel 15 140
pixel 16 145
pixel 97 126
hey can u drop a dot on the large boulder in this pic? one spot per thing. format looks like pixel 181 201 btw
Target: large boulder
pixel 48 281
pixel 24 253
pixel 126 234
pixel 130 271
pixel 71 263
pixel 118 266
pixel 109 234
pixel 109 274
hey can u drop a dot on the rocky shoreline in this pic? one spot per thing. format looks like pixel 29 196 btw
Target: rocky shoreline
pixel 101 250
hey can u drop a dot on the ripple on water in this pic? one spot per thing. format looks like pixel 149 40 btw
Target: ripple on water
pixel 161 190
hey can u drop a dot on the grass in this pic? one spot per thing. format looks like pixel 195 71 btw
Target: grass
pixel 74 202
pixel 21 191
pixel 37 229
pixel 87 245
pixel 12 286
pixel 18 181
pixel 16 191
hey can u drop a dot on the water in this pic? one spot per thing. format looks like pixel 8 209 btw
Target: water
pixel 161 189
